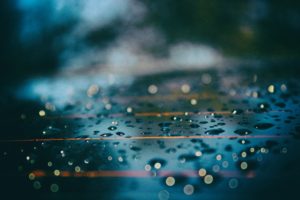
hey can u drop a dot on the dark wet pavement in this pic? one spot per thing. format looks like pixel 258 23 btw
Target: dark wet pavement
pixel 210 134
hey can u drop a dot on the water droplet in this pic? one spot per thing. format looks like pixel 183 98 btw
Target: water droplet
pixel 237 111
pixel 171 150
pixel 106 134
pixel 154 161
pixel 194 126
pixel 243 131
pixel 228 147
pixel 243 141
pixel 263 126
pixel 112 128
pixel 120 133
pixel 135 148
pixel 215 131
pixel 187 157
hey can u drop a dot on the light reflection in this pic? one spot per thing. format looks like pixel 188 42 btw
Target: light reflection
pixel 170 181
pixel 233 183
pixel 152 89
pixel 54 188
pixel 271 89
pixel 202 172
pixel 42 113
pixel 185 88
pixel 244 165
pixel 208 179
pixel 188 189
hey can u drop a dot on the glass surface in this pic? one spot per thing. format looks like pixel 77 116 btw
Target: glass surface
pixel 127 99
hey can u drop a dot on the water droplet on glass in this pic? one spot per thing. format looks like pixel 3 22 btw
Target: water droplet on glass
pixel 243 131
pixel 215 131
pixel 112 128
pixel 263 126
pixel 237 111
pixel 106 134
pixel 194 126
pixel 120 133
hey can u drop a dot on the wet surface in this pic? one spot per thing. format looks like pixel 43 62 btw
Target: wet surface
pixel 209 134
pixel 139 99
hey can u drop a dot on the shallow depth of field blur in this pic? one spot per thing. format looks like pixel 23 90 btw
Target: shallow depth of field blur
pixel 149 99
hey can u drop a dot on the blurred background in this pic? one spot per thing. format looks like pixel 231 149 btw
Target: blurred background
pixel 41 38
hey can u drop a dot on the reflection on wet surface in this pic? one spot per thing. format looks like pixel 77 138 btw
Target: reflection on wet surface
pixel 198 135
